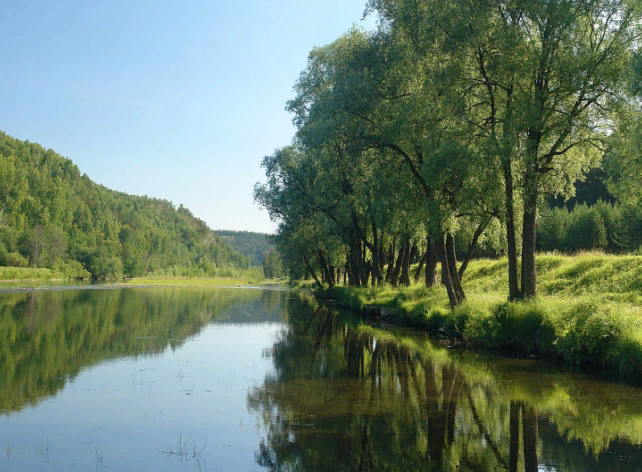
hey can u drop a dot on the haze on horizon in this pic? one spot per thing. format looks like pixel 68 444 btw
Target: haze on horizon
pixel 174 101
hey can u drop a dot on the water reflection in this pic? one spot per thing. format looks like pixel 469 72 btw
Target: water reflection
pixel 349 397
pixel 47 338
pixel 269 380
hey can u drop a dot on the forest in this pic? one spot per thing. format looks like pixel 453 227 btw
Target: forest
pixel 458 129
pixel 53 216
pixel 249 243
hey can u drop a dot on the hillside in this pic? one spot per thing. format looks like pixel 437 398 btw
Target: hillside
pixel 53 216
pixel 248 243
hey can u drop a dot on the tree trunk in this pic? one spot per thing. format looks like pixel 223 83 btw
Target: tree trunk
pixel 312 271
pixel 431 262
pixel 400 258
pixel 381 255
pixel 345 273
pixel 422 261
pixel 514 292
pixel 376 274
pixel 325 269
pixel 452 267
pixel 445 272
pixel 529 275
pixel 405 266
pixel 478 232
pixel 391 259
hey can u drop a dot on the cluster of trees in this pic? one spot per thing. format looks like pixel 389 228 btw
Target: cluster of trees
pixel 249 243
pixel 53 216
pixel 613 228
pixel 272 264
pixel 452 117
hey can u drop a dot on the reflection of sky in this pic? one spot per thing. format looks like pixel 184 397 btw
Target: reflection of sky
pixel 127 411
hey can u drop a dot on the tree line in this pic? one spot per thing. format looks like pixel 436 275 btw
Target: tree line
pixel 53 216
pixel 455 117
pixel 249 243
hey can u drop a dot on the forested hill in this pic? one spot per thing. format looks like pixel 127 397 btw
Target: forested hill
pixel 53 216
pixel 250 244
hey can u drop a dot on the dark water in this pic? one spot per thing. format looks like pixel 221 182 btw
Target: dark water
pixel 225 379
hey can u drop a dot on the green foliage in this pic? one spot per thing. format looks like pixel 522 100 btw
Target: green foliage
pixel 38 356
pixel 614 228
pixel 53 216
pixel 251 244
pixel 456 118
pixel 17 273
pixel 272 265
pixel 590 317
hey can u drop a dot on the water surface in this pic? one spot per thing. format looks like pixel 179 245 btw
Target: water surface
pixel 230 379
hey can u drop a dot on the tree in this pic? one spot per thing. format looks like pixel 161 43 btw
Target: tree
pixel 544 81
pixel 272 264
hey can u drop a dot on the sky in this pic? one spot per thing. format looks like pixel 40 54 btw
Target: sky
pixel 173 100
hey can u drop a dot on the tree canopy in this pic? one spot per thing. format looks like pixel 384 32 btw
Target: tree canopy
pixel 51 215
pixel 451 117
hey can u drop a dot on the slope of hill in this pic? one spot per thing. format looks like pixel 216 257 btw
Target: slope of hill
pixel 51 215
pixel 250 244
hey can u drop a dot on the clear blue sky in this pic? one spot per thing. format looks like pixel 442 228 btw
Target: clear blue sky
pixel 171 99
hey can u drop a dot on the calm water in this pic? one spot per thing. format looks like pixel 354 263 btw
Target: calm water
pixel 232 379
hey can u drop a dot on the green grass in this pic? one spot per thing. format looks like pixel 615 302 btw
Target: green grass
pixel 588 312
pixel 20 273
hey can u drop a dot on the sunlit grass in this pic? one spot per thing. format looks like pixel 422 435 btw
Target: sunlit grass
pixel 588 311
pixel 27 273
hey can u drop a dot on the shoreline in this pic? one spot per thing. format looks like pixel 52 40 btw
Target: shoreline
pixel 589 315
pixel 618 358
pixel 45 287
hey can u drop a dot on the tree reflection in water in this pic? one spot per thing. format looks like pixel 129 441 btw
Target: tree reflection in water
pixel 349 397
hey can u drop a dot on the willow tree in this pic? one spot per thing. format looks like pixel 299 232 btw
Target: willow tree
pixel 375 93
pixel 544 80
pixel 293 196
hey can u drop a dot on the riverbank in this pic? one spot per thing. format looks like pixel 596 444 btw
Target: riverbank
pixel 588 313
pixel 28 274
pixel 200 281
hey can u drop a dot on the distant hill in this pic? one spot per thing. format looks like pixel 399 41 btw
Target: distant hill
pixel 248 243
pixel 51 215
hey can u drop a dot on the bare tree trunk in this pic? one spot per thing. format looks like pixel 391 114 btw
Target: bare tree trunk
pixel 431 262
pixel 529 274
pixel 446 278
pixel 376 273
pixel 391 259
pixel 312 271
pixel 514 293
pixel 400 258
pixel 478 232
pixel 326 271
pixel 422 261
pixel 452 267
pixel 405 268
pixel 381 254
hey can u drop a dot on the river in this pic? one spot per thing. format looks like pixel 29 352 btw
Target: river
pixel 246 379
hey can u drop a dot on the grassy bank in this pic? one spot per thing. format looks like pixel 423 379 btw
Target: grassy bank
pixel 588 313
pixel 11 274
